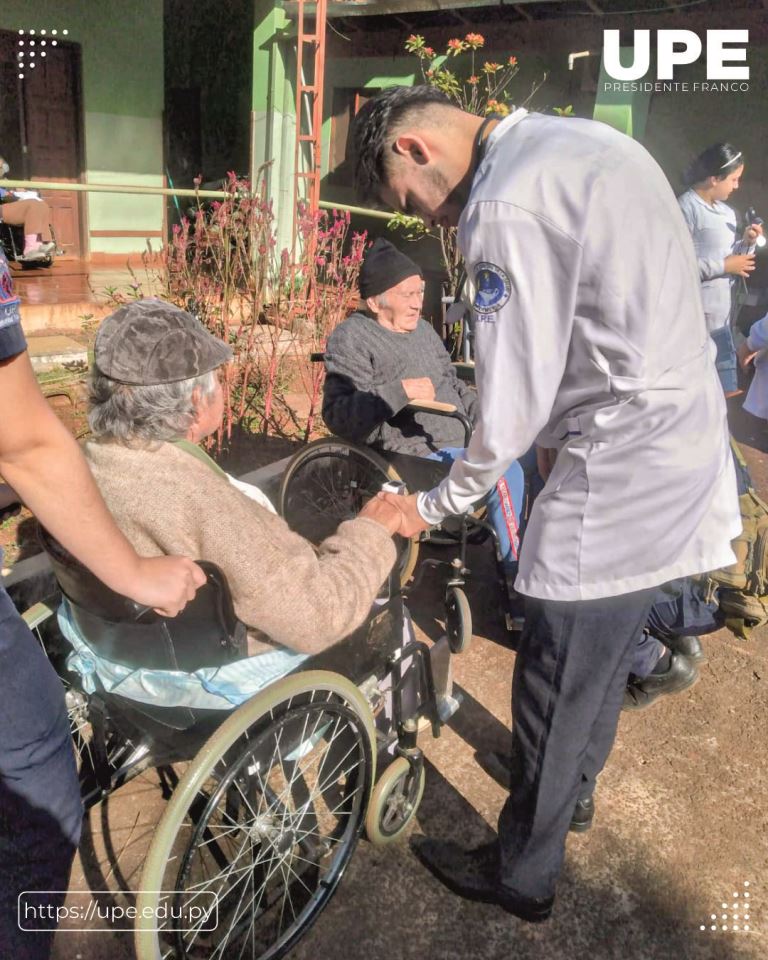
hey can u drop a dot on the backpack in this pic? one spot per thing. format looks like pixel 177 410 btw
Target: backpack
pixel 742 588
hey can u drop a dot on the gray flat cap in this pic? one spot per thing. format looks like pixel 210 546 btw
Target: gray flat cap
pixel 147 342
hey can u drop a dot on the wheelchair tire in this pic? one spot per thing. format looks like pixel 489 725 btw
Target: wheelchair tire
pixel 328 482
pixel 395 800
pixel 260 822
pixel 458 620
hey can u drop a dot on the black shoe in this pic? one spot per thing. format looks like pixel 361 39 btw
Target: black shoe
pixel 689 646
pixel 583 815
pixel 642 692
pixel 497 766
pixel 473 874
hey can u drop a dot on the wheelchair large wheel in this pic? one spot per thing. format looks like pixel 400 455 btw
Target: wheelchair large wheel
pixel 329 481
pixel 264 820
pixel 396 798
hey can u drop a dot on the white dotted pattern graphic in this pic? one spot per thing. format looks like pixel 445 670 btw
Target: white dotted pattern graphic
pixel 34 44
pixel 740 905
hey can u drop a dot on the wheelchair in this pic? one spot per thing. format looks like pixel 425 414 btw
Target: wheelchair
pixel 270 798
pixel 12 242
pixel 330 479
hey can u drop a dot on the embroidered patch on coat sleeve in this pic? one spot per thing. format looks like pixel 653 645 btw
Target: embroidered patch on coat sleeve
pixel 492 288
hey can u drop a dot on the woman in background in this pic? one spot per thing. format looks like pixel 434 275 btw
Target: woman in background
pixel 722 253
pixel 26 210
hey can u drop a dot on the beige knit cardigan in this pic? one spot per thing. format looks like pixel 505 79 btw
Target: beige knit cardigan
pixel 168 502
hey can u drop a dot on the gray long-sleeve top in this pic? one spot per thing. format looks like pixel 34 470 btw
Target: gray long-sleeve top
pixel 715 236
pixel 364 399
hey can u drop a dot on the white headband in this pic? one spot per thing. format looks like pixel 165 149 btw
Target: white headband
pixel 732 160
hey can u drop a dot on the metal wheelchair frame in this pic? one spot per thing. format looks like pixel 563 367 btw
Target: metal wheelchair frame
pixel 276 792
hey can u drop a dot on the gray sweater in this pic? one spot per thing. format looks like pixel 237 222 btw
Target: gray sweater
pixel 364 399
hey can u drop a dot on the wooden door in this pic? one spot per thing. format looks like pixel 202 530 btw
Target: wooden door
pixel 51 100
pixel 10 109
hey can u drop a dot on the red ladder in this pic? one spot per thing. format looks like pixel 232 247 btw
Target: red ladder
pixel 309 109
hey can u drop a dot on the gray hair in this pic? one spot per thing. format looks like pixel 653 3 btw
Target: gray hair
pixel 140 415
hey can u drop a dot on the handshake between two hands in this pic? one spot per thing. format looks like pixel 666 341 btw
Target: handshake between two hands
pixel 397 513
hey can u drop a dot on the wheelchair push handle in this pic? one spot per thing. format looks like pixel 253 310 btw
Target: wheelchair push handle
pixel 146 615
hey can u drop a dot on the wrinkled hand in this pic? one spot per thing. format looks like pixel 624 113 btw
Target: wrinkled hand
pixel 166 584
pixel 753 231
pixel 383 513
pixel 411 521
pixel 745 354
pixel 545 461
pixel 741 264
pixel 419 388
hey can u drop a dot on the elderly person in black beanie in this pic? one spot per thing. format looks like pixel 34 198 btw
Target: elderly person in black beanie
pixel 381 358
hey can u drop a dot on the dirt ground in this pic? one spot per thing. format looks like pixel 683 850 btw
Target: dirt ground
pixel 679 843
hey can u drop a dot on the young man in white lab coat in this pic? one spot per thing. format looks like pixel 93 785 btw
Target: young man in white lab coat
pixel 590 340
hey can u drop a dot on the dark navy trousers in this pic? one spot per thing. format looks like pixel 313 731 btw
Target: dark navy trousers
pixel 40 809
pixel 567 689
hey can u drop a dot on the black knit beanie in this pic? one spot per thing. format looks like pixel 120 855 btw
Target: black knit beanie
pixel 383 268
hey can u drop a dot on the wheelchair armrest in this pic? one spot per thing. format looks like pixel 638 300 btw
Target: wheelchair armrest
pixel 443 410
pixel 434 406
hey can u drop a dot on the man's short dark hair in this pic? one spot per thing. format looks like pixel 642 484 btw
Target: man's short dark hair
pixel 373 128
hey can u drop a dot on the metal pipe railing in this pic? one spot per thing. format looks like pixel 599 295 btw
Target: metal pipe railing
pixel 166 192
pixel 112 188
pixel 362 211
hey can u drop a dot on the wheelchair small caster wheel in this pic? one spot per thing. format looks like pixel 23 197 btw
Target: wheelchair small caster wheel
pixel 458 620
pixel 394 801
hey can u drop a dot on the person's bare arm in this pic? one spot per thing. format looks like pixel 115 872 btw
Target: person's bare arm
pixel 44 465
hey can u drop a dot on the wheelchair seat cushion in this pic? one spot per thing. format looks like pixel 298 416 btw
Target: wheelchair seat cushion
pixel 363 653
pixel 207 687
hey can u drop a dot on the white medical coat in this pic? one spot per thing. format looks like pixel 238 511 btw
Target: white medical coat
pixel 590 338
pixel 715 235
pixel 757 398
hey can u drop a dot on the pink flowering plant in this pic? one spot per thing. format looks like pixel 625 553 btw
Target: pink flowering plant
pixel 274 307
pixel 326 283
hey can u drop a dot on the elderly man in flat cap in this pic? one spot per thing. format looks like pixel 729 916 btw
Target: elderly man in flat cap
pixel 385 355
pixel 155 395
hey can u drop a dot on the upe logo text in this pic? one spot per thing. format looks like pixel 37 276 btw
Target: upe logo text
pixel 675 48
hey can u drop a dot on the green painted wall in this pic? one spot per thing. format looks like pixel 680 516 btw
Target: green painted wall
pixel 273 116
pixel 626 111
pixel 122 83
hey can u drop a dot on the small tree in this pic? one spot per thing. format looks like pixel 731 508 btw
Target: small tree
pixel 480 90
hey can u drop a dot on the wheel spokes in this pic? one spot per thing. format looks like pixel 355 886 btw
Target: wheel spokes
pixel 269 833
